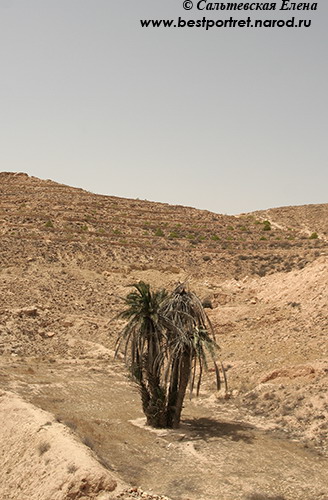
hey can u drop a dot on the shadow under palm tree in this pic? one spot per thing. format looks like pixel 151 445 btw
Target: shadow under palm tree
pixel 207 428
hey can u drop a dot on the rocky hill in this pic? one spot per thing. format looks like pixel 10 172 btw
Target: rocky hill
pixel 53 221
pixel 307 219
pixel 67 257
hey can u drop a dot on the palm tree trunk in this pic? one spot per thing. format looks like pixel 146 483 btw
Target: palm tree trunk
pixel 155 410
pixel 172 394
pixel 178 389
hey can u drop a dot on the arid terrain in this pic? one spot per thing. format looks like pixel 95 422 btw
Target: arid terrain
pixel 71 420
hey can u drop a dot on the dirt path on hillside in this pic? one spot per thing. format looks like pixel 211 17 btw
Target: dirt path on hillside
pixel 212 456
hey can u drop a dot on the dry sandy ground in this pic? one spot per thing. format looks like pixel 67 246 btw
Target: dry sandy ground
pixel 272 332
pixel 40 459
pixel 219 452
pixel 231 450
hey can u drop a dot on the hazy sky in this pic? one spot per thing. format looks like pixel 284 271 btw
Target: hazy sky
pixel 231 120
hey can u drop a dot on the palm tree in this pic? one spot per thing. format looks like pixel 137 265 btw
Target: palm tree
pixel 166 341
pixel 142 340
pixel 189 337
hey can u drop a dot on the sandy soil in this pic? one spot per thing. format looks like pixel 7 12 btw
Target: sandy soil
pixel 217 453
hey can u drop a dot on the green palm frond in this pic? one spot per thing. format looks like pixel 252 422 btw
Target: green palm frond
pixel 141 338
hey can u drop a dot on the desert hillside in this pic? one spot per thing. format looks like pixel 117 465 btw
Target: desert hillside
pixel 307 219
pixel 67 258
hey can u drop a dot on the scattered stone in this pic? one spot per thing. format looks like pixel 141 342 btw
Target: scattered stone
pixel 50 334
pixel 27 311
pixel 67 323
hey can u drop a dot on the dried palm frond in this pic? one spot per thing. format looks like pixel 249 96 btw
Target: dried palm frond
pixel 188 338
